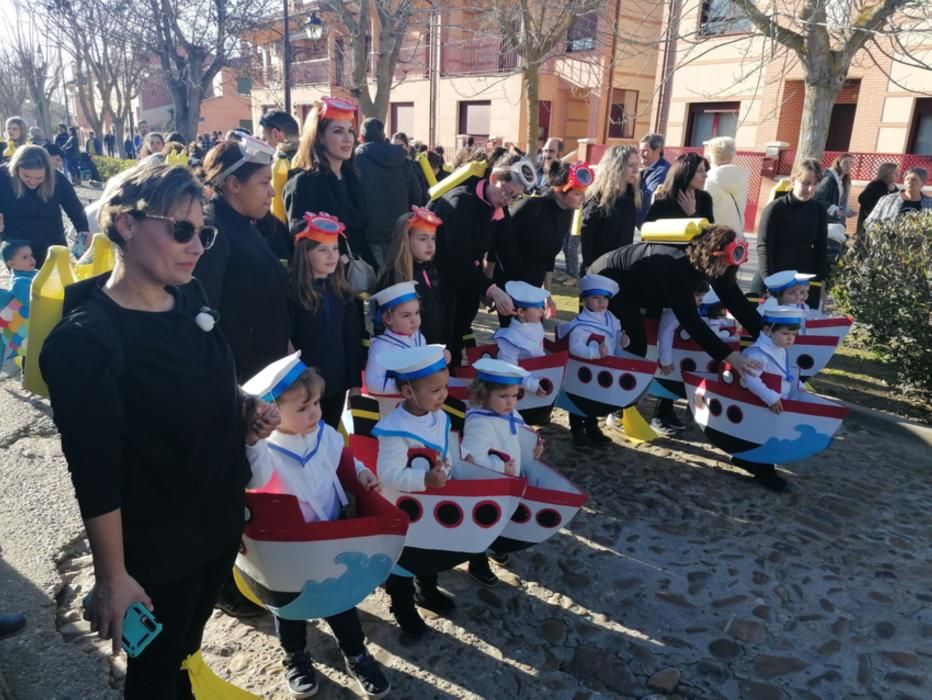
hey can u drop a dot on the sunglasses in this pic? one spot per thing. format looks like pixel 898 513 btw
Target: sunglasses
pixel 735 252
pixel 183 231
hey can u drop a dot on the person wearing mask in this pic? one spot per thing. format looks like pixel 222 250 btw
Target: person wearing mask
pixel 470 213
pixel 390 183
pixel 327 180
pixel 793 232
pixel 612 204
pixel 32 198
pixel 883 184
pixel 727 183
pixel 654 169
pixel 153 426
pixel 910 200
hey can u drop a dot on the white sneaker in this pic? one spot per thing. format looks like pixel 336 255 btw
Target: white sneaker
pixel 613 420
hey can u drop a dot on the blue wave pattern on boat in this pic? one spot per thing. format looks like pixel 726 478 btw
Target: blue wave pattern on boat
pixel 334 595
pixel 566 403
pixel 778 451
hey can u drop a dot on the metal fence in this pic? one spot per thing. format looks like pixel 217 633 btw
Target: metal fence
pixel 864 166
pixel 479 56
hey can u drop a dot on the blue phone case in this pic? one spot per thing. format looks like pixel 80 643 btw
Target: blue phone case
pixel 139 629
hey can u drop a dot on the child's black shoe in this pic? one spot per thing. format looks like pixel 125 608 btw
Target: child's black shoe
pixel 774 482
pixel 500 559
pixel 434 599
pixel 580 441
pixel 597 437
pixel 367 672
pixel 480 572
pixel 300 676
pixel 408 619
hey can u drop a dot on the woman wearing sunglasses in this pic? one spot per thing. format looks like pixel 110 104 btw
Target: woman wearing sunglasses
pixel 527 249
pixel 152 425
pixel 656 276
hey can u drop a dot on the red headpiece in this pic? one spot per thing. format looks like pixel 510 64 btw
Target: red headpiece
pixel 580 177
pixel 336 108
pixel 424 219
pixel 321 228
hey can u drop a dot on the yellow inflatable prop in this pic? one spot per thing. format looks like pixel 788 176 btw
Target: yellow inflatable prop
pixel 179 158
pixel 672 230
pixel 98 259
pixel 459 176
pixel 206 685
pixel 426 169
pixel 45 309
pixel 782 187
pixel 576 226
pixel 280 169
pixel 636 428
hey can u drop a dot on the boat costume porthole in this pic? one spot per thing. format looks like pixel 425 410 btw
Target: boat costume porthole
pixel 715 407
pixel 713 367
pixel 448 514
pixel 486 513
pixel 605 379
pixel 805 361
pixel 549 518
pixel 410 507
pixel 627 381
pixel 734 414
pixel 683 334
pixel 521 515
pixel 688 364
pixel 546 386
pixel 585 375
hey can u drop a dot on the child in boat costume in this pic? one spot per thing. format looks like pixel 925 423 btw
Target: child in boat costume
pixel 301 458
pixel 396 310
pixel 791 288
pixel 490 435
pixel 713 312
pixel 523 338
pixel 782 323
pixel 595 332
pixel 421 376
pixel 14 301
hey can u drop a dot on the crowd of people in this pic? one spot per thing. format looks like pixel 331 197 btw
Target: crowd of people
pixel 211 367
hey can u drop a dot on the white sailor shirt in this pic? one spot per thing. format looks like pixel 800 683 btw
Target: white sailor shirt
pixel 401 431
pixel 773 360
pixel 376 380
pixel 586 324
pixel 486 433
pixel 521 341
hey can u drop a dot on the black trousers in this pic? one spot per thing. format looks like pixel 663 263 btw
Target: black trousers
pixel 345 627
pixel 401 588
pixel 331 409
pixel 183 607
pixel 461 308
pixel 583 422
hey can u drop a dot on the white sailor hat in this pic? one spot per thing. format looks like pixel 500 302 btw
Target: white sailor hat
pixel 710 298
pixel 498 371
pixel 597 285
pixel 274 380
pixel 525 295
pixel 775 313
pixel 783 280
pixel 395 295
pixel 408 364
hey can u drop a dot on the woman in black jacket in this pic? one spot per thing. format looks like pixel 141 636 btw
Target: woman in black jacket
pixel 152 426
pixel 32 197
pixel 243 278
pixel 527 250
pixel 609 215
pixel 683 196
pixel 793 232
pixel 326 179
pixel 880 186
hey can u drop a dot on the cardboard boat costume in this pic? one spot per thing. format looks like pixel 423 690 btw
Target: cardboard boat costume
pixel 449 524
pixel 739 421
pixel 815 322
pixel 375 379
pixel 297 558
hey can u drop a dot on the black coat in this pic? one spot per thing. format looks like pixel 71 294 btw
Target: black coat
pixel 667 208
pixel 654 276
pixel 792 235
pixel 391 187
pixel 330 338
pixel 344 198
pixel 528 248
pixel 247 283
pixel 827 193
pixel 604 231
pixel 30 219
pixel 463 239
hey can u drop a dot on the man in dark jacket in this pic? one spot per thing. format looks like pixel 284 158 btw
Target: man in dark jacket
pixel 654 169
pixel 391 189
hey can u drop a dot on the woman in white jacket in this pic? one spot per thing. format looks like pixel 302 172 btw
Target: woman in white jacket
pixel 727 183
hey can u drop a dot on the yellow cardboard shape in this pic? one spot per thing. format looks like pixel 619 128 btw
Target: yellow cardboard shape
pixel 459 176
pixel 180 158
pixel 280 169
pixel 635 427
pixel 46 301
pixel 426 169
pixel 782 187
pixel 672 230
pixel 206 685
pixel 576 226
pixel 99 259
pixel 244 589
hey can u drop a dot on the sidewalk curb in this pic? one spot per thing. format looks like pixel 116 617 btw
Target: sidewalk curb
pixel 915 432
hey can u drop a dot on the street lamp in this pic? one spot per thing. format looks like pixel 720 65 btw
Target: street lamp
pixel 313 27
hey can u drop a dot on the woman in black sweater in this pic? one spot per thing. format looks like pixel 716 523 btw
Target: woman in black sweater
pixel 527 250
pixel 243 278
pixel 879 187
pixel 152 426
pixel 609 215
pixel 32 197
pixel 683 196
pixel 326 179
pixel 793 232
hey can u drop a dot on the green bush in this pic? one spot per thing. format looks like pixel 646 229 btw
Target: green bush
pixel 108 167
pixel 885 282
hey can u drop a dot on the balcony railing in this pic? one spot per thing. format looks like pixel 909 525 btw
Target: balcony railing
pixel 479 56
pixel 314 72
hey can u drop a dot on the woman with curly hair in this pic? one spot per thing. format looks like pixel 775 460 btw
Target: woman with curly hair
pixel 609 214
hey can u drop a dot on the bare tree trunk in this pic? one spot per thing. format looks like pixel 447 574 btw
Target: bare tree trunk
pixel 532 101
pixel 817 114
